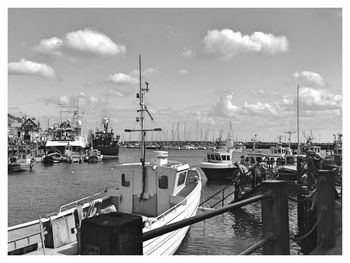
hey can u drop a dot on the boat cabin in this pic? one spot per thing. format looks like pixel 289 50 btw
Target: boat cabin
pixel 254 158
pixel 163 186
pixel 222 155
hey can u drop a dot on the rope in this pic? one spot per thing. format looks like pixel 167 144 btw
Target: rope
pixel 310 231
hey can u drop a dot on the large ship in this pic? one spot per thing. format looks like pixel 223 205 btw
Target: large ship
pixel 105 141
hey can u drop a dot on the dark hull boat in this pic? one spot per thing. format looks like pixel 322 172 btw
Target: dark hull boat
pixel 106 142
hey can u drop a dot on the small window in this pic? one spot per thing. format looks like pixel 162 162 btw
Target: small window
pixel 208 157
pixel 124 181
pixel 228 157
pixel 213 157
pixel 182 177
pixel 218 157
pixel 223 157
pixel 252 160
pixel 259 159
pixel 163 182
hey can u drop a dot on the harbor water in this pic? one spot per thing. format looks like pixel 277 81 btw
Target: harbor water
pixel 44 189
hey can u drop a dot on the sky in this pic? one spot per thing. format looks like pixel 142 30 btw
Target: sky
pixel 232 70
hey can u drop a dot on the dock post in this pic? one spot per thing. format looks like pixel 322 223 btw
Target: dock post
pixel 301 202
pixel 325 208
pixel 275 220
pixel 112 234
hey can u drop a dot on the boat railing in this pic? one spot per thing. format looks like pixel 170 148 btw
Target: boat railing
pixel 78 201
pixel 162 215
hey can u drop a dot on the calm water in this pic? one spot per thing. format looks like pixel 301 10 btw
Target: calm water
pixel 45 189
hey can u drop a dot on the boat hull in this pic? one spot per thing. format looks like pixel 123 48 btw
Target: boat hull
pixel 168 243
pixel 218 171
pixel 216 174
pixel 108 151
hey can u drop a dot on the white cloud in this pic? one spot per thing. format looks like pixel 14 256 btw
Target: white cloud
pixel 86 41
pixel 259 93
pixel 317 99
pixel 26 67
pixel 50 46
pixel 269 43
pixel 258 109
pixel 91 41
pixel 72 100
pixel 227 43
pixel 188 53
pixel 308 78
pixel 93 99
pixel 145 73
pixel 225 107
pixel 183 71
pixel 121 78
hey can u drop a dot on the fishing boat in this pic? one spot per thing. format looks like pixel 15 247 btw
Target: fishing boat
pixel 220 162
pixel 105 141
pixel 19 164
pixel 160 192
pixel 66 137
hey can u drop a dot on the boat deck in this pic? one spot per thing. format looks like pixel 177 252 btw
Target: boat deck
pixel 69 249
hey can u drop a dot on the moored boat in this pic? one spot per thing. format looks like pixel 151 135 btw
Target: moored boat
pixel 219 164
pixel 106 141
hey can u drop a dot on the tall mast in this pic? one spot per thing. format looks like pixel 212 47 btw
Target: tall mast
pixel 298 150
pixel 143 108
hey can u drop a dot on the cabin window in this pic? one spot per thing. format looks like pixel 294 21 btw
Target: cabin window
pixel 228 157
pixel 125 182
pixel 208 157
pixel 181 179
pixel 259 159
pixel 213 157
pixel 163 182
pixel 218 157
pixel 223 157
pixel 252 160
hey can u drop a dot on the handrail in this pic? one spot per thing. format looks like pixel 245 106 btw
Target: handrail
pixel 76 201
pixel 195 219
pixel 223 199
pixel 227 186
pixel 258 245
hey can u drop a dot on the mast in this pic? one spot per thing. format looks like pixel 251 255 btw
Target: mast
pixel 143 108
pixel 298 132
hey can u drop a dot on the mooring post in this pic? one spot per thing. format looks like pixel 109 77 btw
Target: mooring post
pixel 275 220
pixel 325 208
pixel 301 203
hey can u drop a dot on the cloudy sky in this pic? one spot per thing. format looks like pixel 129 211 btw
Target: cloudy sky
pixel 220 68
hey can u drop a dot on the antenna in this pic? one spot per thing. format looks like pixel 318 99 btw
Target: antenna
pixel 143 108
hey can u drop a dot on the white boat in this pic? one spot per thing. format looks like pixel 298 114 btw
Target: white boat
pixel 160 191
pixel 219 164
pixel 67 137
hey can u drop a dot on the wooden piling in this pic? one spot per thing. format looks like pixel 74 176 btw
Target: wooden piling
pixel 325 208
pixel 275 220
